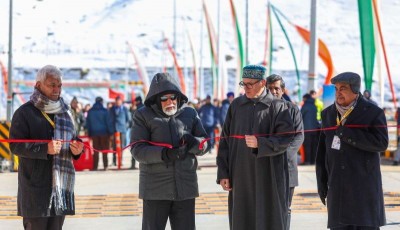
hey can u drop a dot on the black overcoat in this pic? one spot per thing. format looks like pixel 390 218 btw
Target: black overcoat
pixel 295 145
pixel 35 165
pixel 259 180
pixel 352 176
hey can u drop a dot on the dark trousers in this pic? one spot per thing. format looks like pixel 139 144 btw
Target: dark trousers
pixel 43 223
pixel 211 135
pixel 100 143
pixel 310 146
pixel 352 227
pixel 122 138
pixel 291 192
pixel 180 213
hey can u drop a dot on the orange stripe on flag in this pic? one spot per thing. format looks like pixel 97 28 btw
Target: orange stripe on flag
pixel 323 52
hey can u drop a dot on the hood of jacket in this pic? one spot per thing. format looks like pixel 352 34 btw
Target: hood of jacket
pixel 161 84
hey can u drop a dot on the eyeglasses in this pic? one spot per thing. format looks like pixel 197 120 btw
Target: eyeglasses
pixel 248 85
pixel 165 98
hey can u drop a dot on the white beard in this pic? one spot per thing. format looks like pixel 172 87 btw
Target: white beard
pixel 170 110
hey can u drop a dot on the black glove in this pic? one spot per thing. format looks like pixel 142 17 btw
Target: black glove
pixel 177 153
pixel 189 140
pixel 322 195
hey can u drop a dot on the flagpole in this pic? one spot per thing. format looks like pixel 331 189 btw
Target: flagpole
pixel 247 34
pixel 219 85
pixel 312 74
pixel 201 87
pixel 10 67
pixel 174 42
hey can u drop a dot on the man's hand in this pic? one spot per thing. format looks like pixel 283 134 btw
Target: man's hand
pixel 251 141
pixel 76 147
pixel 225 184
pixel 177 153
pixel 54 147
pixel 322 195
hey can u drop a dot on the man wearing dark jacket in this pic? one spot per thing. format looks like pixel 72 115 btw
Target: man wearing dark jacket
pixel 225 106
pixel 252 160
pixel 99 128
pixel 46 174
pixel 208 114
pixel 120 119
pixel 354 132
pixel 311 125
pixel 138 104
pixel 166 137
pixel 276 86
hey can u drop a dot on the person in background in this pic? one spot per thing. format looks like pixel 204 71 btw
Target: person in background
pixel 86 109
pixel 367 96
pixel 168 178
pixel 254 167
pixel 311 128
pixel 276 86
pixel 109 105
pixel 348 158
pixel 318 104
pixel 396 157
pixel 120 119
pixel 286 96
pixel 209 118
pixel 46 175
pixel 98 124
pixel 77 114
pixel 225 106
pixel 138 104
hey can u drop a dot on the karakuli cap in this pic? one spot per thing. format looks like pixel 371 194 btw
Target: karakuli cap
pixel 254 72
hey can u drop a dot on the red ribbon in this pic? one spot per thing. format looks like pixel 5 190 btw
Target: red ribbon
pixel 201 145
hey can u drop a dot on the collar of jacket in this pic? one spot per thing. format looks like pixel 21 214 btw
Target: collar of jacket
pixel 266 99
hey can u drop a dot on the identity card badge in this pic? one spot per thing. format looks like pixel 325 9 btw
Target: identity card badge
pixel 336 143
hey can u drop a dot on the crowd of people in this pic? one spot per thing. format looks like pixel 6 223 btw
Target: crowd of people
pixel 260 135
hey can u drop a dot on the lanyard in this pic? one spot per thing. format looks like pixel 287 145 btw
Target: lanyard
pixel 48 119
pixel 345 115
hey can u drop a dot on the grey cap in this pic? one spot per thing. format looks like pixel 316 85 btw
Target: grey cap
pixel 353 79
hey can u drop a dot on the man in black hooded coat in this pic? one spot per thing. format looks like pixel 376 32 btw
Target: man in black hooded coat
pixel 168 178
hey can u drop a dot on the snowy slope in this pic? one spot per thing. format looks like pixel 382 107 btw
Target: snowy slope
pixel 93 33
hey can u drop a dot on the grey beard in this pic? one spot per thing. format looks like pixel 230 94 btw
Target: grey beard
pixel 171 111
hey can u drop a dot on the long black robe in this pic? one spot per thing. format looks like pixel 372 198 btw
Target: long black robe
pixel 259 177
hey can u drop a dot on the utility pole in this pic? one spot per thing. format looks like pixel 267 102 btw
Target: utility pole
pixel 174 41
pixel 201 78
pixel 10 67
pixel 247 35
pixel 312 73
pixel 219 56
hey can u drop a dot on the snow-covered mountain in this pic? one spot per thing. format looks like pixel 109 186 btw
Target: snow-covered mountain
pixel 93 33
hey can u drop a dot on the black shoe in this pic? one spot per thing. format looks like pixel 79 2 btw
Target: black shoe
pixel 395 163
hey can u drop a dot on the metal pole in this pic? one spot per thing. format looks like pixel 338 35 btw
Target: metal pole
pixel 219 86
pixel 312 74
pixel 174 42
pixel 10 67
pixel 201 70
pixel 247 34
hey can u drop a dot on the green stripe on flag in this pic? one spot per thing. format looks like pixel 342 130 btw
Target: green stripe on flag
pixel 367 40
